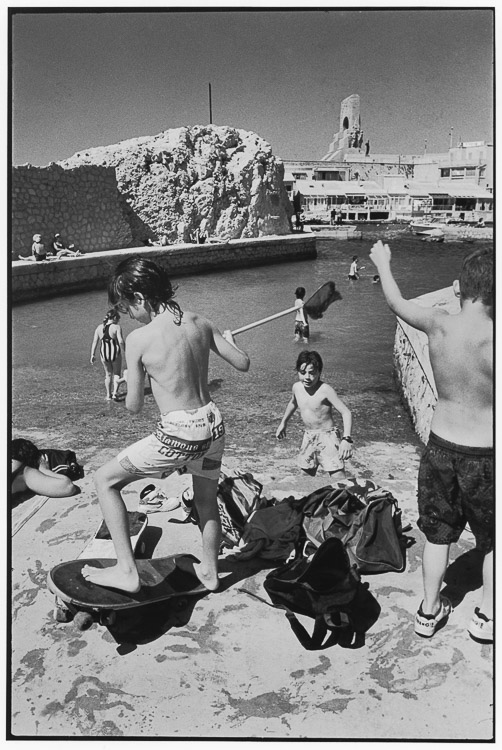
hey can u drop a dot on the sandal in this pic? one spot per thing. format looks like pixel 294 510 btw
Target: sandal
pixel 153 500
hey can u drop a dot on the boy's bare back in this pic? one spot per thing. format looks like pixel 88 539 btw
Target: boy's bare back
pixel 461 355
pixel 176 357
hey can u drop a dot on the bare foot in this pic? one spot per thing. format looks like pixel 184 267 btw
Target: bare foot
pixel 210 582
pixel 113 578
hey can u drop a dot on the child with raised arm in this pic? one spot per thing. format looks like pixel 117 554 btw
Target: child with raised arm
pixel 456 477
pixel 173 347
pixel 316 400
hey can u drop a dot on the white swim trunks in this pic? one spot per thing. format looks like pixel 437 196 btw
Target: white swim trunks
pixel 191 440
pixel 320 448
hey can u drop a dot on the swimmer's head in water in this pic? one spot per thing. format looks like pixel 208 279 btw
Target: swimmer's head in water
pixel 138 275
pixel 26 452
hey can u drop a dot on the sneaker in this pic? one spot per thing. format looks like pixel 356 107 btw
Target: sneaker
pixel 153 500
pixel 480 627
pixel 426 625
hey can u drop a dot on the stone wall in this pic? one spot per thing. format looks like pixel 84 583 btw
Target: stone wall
pixel 412 365
pixel 216 180
pixel 31 280
pixel 83 205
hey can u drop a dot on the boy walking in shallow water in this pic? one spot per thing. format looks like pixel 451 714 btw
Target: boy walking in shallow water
pixel 316 400
pixel 456 476
pixel 173 347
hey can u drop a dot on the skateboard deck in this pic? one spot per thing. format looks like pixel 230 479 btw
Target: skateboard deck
pixel 101 545
pixel 161 579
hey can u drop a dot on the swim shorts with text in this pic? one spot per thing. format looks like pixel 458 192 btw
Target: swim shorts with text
pixel 190 440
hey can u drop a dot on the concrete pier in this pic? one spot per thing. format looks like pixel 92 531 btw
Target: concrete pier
pixel 32 280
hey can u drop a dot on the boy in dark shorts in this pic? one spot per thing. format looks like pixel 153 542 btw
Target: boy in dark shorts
pixel 456 475
pixel 172 347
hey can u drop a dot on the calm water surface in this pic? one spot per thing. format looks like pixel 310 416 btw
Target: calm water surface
pixel 57 391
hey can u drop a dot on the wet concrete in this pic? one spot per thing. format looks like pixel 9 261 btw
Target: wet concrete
pixel 227 665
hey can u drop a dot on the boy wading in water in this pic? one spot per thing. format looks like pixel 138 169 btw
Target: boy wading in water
pixel 456 478
pixel 316 400
pixel 173 347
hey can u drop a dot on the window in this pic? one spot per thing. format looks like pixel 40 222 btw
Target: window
pixel 300 175
pixel 445 173
pixel 470 171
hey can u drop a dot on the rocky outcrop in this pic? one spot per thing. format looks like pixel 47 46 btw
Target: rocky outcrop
pixel 216 180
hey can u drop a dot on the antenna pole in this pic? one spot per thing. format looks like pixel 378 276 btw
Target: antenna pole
pixel 210 107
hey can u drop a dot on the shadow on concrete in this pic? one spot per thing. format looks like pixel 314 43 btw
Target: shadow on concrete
pixel 463 575
pixel 148 623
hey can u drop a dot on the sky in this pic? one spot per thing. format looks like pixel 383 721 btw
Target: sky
pixel 93 78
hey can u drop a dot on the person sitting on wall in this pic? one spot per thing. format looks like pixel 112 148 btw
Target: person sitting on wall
pixel 37 250
pixel 60 250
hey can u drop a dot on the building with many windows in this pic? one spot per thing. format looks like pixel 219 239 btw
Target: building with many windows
pixel 351 184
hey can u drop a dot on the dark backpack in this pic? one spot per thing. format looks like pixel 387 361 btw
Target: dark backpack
pixel 367 520
pixel 328 589
pixel 63 462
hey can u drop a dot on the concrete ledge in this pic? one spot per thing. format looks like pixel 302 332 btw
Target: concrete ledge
pixel 412 365
pixel 32 280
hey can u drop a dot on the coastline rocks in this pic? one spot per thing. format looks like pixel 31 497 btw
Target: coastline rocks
pixel 216 180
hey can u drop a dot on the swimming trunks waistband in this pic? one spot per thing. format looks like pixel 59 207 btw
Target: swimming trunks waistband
pixel 466 450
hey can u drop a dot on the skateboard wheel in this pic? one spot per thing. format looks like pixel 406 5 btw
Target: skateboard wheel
pixel 107 618
pixel 83 620
pixel 62 614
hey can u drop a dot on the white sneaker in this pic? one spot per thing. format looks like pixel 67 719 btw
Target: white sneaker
pixel 480 627
pixel 426 625
pixel 153 500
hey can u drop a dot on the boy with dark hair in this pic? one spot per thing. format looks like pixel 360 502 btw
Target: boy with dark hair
pixel 301 320
pixel 173 348
pixel 316 400
pixel 456 475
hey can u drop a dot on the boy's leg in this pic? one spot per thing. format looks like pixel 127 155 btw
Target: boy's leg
pixel 116 367
pixel 486 606
pixel 108 379
pixel 204 498
pixel 434 564
pixel 109 480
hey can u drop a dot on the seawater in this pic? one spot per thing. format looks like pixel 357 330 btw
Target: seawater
pixel 57 391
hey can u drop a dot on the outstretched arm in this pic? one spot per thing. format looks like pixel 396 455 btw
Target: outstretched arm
pixel 223 344
pixel 290 410
pixel 419 317
pixel 94 344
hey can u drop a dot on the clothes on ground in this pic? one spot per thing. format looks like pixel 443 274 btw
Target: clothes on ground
pixel 320 448
pixel 271 533
pixel 456 487
pixel 109 347
pixel 191 440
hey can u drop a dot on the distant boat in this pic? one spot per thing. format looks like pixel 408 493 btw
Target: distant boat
pixel 426 227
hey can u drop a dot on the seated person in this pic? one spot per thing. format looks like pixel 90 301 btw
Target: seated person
pixel 30 472
pixel 60 250
pixel 37 250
